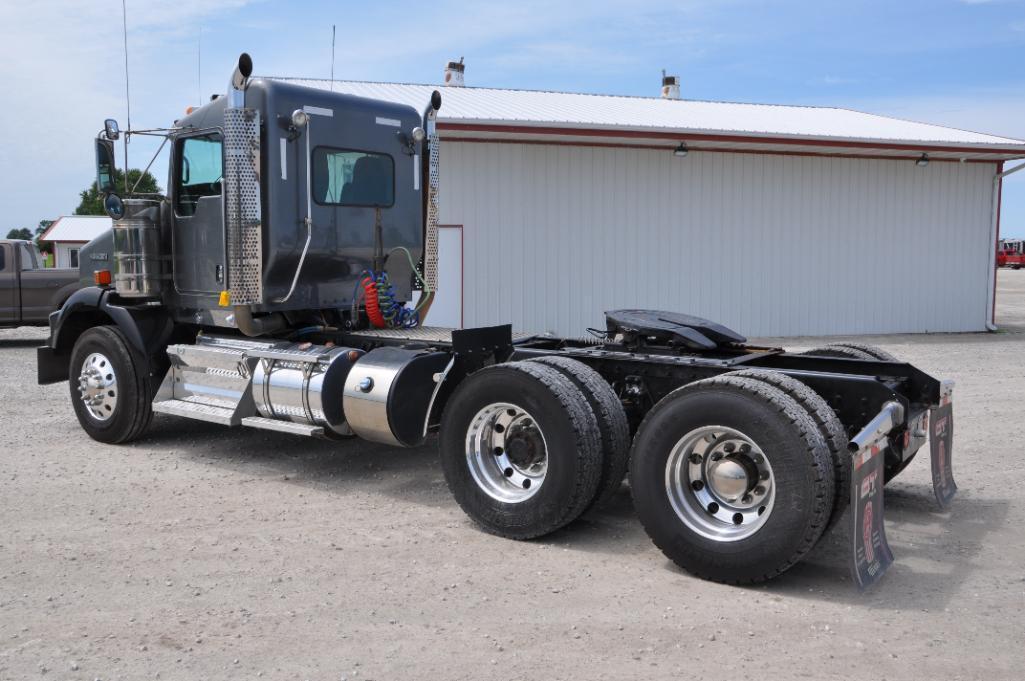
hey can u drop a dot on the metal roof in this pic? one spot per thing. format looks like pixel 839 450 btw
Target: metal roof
pixel 540 115
pixel 77 228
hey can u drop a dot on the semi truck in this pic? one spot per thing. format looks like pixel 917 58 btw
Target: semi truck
pixel 285 284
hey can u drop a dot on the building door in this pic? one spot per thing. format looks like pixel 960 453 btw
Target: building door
pixel 447 309
pixel 198 233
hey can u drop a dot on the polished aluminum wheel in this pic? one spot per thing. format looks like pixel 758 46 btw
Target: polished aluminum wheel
pixel 97 386
pixel 506 453
pixel 720 483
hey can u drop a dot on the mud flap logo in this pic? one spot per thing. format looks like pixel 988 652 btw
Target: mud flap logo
pixel 866 533
pixel 871 553
pixel 941 436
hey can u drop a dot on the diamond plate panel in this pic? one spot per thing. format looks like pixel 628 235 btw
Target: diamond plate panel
pixel 433 182
pixel 242 198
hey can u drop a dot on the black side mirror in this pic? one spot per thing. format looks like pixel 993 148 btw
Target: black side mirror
pixel 110 129
pixel 105 165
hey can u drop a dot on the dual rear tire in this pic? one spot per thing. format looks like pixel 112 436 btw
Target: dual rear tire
pixel 732 478
pixel 527 447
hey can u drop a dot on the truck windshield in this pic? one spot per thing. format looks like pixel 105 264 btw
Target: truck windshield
pixel 353 178
pixel 200 168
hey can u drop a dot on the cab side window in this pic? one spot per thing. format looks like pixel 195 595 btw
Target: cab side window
pixel 199 172
pixel 3 258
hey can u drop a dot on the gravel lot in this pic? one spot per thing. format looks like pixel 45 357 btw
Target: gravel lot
pixel 206 552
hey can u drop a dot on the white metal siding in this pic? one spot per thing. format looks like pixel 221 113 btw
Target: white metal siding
pixel 768 245
pixel 62 253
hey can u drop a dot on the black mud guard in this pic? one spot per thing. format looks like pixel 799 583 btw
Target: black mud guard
pixel 146 328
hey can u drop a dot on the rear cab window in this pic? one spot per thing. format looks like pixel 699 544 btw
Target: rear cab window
pixel 29 259
pixel 348 177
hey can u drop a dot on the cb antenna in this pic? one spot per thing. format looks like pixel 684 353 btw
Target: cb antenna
pixel 332 57
pixel 128 101
pixel 199 67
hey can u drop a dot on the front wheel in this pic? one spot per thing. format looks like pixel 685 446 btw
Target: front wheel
pixel 109 388
pixel 732 479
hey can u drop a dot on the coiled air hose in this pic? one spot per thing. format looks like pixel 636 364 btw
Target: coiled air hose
pixel 382 308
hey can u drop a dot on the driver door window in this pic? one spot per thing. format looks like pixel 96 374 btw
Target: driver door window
pixel 200 169
pixel 198 232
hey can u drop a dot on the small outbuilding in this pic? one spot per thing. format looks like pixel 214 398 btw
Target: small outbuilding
pixel 774 220
pixel 69 233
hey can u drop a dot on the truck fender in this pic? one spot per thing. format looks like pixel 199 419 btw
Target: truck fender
pixel 146 329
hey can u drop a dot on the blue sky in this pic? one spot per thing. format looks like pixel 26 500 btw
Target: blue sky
pixel 952 62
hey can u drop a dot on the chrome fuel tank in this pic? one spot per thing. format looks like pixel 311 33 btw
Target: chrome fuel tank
pixel 389 393
pixel 304 383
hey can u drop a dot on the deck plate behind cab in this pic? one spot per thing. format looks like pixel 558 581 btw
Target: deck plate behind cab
pixel 422 334
pixel 694 332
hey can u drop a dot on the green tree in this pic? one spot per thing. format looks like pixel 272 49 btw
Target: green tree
pixel 92 200
pixel 23 233
pixel 44 225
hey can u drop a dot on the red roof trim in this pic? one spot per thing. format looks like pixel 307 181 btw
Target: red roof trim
pixel 42 237
pixel 688 137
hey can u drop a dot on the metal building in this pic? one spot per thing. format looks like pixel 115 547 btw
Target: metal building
pixel 69 233
pixel 774 220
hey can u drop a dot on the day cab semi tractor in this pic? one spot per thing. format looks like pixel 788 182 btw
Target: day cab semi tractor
pixel 283 284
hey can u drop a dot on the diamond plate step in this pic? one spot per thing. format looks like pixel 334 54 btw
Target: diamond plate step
pixel 197 411
pixel 283 426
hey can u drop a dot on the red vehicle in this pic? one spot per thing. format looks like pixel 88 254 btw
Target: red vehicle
pixel 1011 253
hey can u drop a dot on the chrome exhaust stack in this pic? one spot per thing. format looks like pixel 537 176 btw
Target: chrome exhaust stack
pixel 243 214
pixel 239 81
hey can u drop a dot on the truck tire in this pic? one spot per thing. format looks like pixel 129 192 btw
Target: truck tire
pixel 613 427
pixel 871 350
pixel 829 425
pixel 109 390
pixel 520 449
pixel 732 479
pixel 852 351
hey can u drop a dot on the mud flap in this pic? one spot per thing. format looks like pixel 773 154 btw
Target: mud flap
pixel 941 440
pixel 871 554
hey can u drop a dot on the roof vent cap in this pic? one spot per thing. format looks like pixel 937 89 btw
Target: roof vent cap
pixel 454 73
pixel 670 86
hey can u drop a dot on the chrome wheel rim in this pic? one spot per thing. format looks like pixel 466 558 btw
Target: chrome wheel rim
pixel 720 483
pixel 97 386
pixel 506 453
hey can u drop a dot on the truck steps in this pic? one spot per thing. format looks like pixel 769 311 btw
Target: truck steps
pixel 283 426
pixel 198 411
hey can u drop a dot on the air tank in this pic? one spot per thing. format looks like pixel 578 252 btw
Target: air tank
pixel 137 259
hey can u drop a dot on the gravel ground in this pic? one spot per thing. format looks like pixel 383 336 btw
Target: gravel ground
pixel 206 552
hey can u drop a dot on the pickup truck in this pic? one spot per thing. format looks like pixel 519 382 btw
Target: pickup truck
pixel 28 291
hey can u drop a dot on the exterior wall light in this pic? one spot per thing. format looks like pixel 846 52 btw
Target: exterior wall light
pixel 922 161
pixel 680 151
